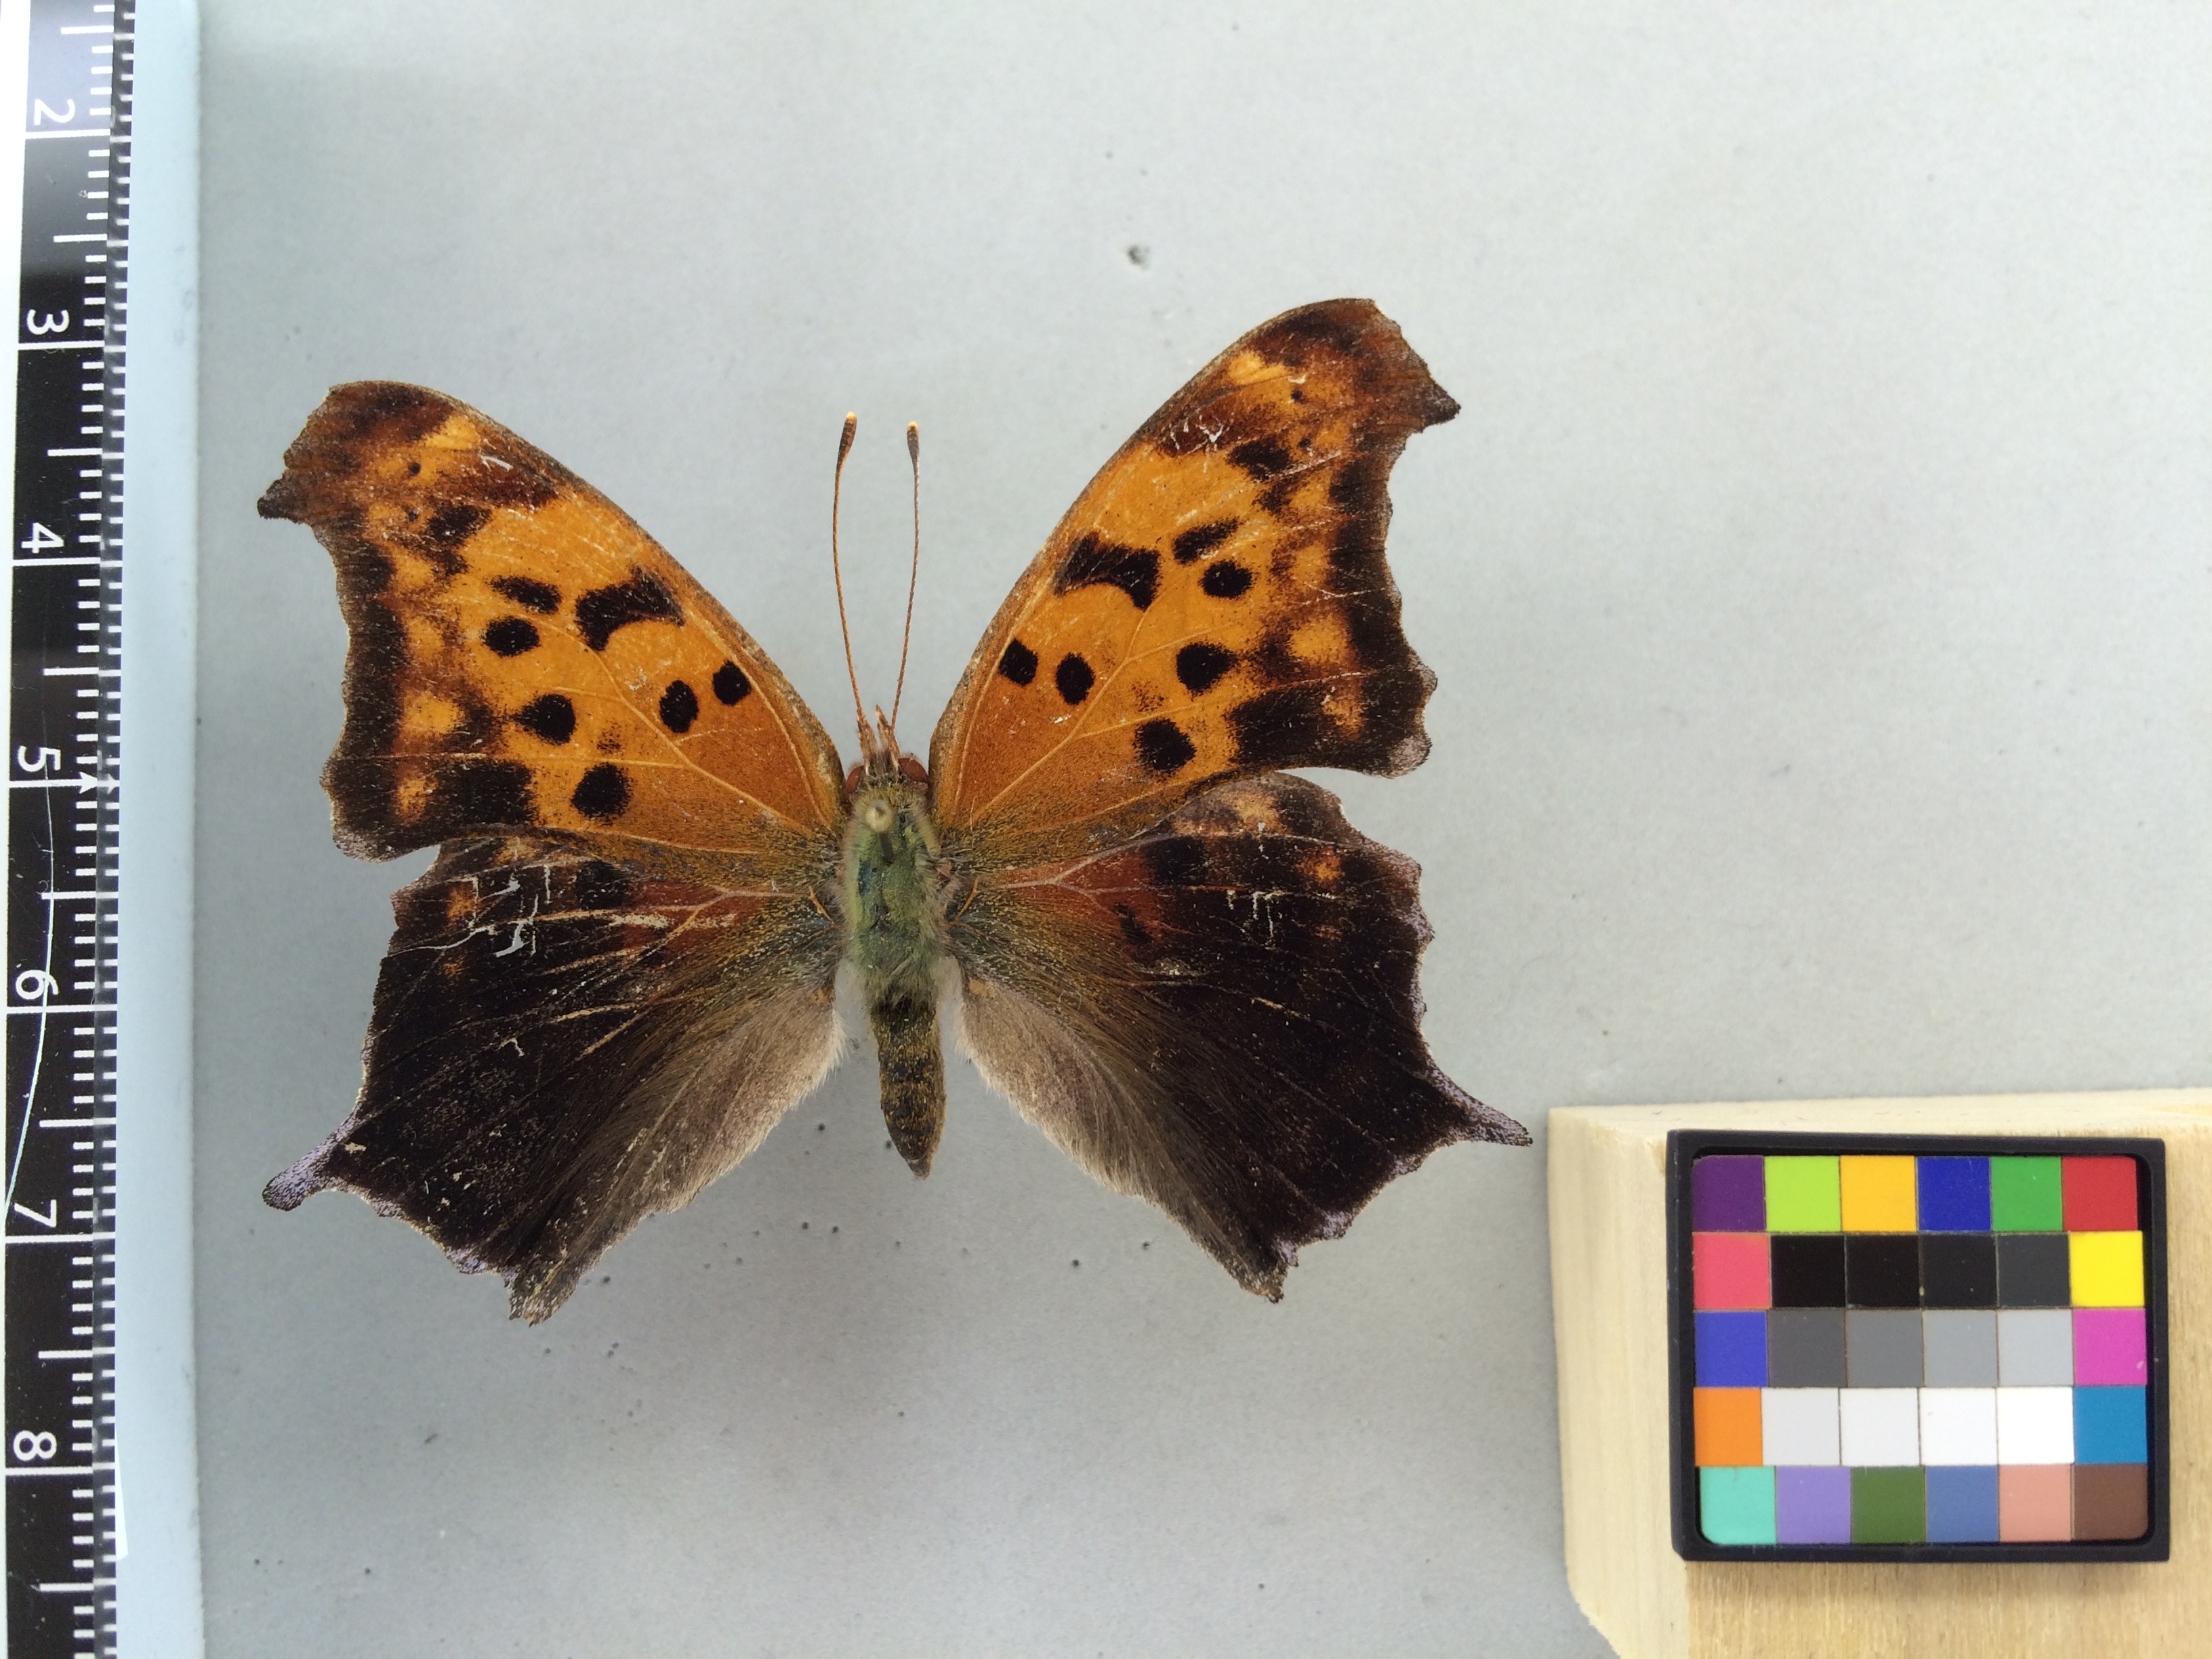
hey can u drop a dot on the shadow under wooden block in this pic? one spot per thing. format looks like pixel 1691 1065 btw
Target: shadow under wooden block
pixel 1609 1255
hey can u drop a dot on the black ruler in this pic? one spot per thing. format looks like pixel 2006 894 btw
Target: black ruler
pixel 64 749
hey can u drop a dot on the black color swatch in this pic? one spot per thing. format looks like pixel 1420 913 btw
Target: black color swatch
pixel 1881 1270
pixel 2034 1270
pixel 1959 1270
pixel 1807 1270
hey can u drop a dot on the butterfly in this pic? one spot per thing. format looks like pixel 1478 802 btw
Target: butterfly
pixel 1174 957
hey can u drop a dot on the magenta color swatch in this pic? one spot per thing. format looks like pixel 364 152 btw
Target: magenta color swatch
pixel 1729 1270
pixel 1727 1195
pixel 2109 1348
pixel 1812 1506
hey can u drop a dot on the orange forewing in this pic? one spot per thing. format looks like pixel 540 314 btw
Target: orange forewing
pixel 1214 604
pixel 525 657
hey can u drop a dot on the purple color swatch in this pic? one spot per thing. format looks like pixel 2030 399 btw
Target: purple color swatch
pixel 2108 1347
pixel 1812 1506
pixel 1728 1194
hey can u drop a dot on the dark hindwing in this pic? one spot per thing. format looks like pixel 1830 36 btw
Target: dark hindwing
pixel 562 1045
pixel 1221 1015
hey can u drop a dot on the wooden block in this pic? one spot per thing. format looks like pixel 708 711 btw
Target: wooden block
pixel 1609 1216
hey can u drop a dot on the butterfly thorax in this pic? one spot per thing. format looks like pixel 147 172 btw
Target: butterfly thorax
pixel 894 882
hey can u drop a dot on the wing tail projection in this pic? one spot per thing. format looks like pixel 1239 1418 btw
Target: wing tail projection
pixel 1221 1016
pixel 562 1046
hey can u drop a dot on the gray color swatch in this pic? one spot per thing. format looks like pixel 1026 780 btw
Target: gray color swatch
pixel 2034 1271
pixel 1805 1348
pixel 2035 1347
pixel 1883 1347
pixel 1960 1348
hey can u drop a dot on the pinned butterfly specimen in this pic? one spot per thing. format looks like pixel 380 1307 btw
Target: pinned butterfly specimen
pixel 1174 958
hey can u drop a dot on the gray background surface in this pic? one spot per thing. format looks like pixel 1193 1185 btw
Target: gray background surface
pixel 1817 583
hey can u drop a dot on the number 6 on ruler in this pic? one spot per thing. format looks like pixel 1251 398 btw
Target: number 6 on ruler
pixel 36 985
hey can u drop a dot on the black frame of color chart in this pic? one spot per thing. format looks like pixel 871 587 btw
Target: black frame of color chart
pixel 1685 1146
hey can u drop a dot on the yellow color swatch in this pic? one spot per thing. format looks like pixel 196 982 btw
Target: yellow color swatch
pixel 2108 1269
pixel 1879 1195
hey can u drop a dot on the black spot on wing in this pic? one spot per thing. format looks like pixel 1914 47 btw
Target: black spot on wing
pixel 510 637
pixel 1175 860
pixel 1285 726
pixel 642 599
pixel 551 717
pixel 603 886
pixel 1019 663
pixel 1074 678
pixel 601 793
pixel 529 592
pixel 387 410
pixel 679 706
pixel 1132 931
pixel 1094 561
pixel 1294 336
pixel 731 684
pixel 1225 579
pixel 1195 544
pixel 1161 746
pixel 453 523
pixel 483 793
pixel 1199 665
pixel 1291 726
pixel 1262 457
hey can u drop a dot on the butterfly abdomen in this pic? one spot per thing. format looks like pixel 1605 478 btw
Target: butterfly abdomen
pixel 894 882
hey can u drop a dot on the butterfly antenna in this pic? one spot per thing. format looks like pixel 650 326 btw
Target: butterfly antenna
pixel 914 572
pixel 837 575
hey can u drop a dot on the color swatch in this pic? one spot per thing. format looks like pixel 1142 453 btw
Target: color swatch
pixel 1896 1350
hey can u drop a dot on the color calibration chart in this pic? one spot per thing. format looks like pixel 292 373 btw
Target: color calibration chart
pixel 1924 1349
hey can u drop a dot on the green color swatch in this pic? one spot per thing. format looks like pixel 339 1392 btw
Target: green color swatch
pixel 2025 1196
pixel 1889 1506
pixel 1803 1195
pixel 1736 1506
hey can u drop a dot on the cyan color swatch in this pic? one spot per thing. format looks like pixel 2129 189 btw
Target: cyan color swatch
pixel 1736 1506
pixel 2110 1426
